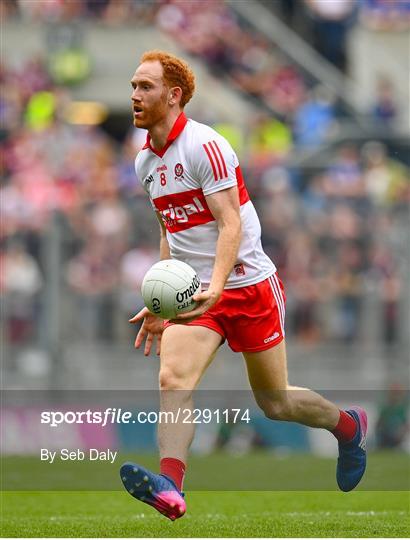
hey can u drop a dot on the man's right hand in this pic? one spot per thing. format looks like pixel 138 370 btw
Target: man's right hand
pixel 151 327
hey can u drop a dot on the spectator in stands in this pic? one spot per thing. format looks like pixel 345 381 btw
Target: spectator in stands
pixel 315 195
pixel 315 119
pixel 392 425
pixel 21 282
pixel 385 15
pixel 93 275
pixel 129 185
pixel 344 179
pixel 331 23
pixel 269 142
pixel 304 290
pixel 391 291
pixel 384 110
pixel 386 274
pixel 284 90
pixel 349 292
pixel 387 181
pixel 109 220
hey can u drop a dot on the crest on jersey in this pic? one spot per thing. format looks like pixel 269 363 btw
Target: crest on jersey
pixel 179 170
pixel 239 269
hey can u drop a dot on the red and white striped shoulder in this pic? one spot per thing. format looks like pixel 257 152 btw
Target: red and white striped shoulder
pixel 213 160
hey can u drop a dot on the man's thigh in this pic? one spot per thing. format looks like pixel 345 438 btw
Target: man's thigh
pixel 186 352
pixel 253 317
pixel 267 370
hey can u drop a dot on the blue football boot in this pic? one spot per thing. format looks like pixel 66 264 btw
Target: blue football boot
pixel 157 490
pixel 351 463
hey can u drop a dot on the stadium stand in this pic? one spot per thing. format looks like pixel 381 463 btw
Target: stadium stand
pixel 334 223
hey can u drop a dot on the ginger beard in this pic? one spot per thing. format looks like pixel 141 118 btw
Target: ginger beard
pixel 151 113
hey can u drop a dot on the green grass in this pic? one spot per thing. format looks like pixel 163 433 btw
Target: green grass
pixel 257 471
pixel 210 514
pixel 83 499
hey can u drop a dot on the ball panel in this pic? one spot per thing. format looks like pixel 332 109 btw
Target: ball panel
pixel 155 300
pixel 178 268
pixel 173 279
pixel 146 291
pixel 168 287
pixel 168 302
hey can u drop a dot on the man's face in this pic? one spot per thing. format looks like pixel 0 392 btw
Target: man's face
pixel 149 95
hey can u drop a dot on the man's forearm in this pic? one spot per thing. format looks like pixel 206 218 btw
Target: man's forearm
pixel 164 251
pixel 227 248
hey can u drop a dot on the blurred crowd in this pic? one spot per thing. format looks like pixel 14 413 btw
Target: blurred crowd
pixel 214 32
pixel 335 231
pixel 332 231
pixel 376 14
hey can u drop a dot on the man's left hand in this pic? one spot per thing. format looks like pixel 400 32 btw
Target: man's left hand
pixel 205 300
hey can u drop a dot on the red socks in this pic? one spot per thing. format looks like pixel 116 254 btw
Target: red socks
pixel 174 469
pixel 346 428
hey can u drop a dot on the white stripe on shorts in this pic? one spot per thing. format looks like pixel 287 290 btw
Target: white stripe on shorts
pixel 281 298
pixel 277 293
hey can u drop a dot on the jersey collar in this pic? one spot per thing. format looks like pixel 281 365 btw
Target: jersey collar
pixel 176 130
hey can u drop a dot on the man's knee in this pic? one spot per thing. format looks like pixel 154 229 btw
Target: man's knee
pixel 276 408
pixel 172 379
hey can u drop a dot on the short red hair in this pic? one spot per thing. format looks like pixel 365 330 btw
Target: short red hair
pixel 176 72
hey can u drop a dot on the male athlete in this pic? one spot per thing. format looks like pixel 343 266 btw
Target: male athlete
pixel 195 185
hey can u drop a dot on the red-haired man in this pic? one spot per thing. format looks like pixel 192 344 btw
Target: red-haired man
pixel 195 185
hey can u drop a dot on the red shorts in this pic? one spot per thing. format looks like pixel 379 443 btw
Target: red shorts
pixel 251 318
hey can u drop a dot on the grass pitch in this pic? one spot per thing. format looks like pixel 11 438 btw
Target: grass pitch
pixel 65 506
pixel 210 514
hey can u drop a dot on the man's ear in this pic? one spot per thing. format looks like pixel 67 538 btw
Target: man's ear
pixel 175 95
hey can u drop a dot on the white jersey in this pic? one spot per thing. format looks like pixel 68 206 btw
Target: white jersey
pixel 195 162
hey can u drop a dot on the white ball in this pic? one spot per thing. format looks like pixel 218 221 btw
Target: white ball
pixel 168 288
